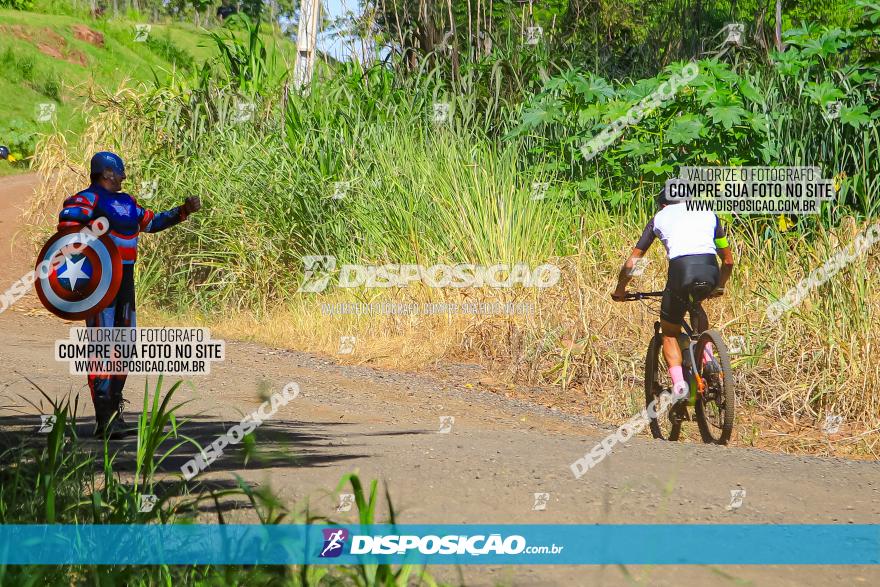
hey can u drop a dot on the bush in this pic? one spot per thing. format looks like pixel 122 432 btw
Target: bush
pixel 17 4
pixel 50 86
pixel 19 137
pixel 22 67
pixel 165 48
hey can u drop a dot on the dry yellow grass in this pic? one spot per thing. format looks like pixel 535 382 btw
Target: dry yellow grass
pixel 587 352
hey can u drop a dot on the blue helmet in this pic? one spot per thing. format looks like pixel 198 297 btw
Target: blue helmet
pixel 4 152
pixel 107 160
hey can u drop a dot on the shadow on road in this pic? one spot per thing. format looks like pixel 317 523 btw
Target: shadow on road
pixel 278 443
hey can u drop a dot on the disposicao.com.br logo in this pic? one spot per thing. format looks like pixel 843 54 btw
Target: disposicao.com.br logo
pixel 335 540
pixel 319 269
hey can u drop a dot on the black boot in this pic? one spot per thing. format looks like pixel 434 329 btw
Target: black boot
pixel 108 418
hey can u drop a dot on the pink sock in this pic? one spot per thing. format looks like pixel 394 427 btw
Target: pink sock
pixel 676 374
pixel 707 352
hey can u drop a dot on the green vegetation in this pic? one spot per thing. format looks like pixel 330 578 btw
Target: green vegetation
pixel 437 154
pixel 49 63
pixel 734 114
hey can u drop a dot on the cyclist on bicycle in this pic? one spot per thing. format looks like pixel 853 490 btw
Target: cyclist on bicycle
pixel 692 239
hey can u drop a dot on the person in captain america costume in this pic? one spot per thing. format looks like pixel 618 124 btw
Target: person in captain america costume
pixel 127 219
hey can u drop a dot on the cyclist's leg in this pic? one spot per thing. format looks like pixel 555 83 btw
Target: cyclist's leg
pixel 697 276
pixel 671 350
pixel 672 309
pixel 700 322
pixel 699 318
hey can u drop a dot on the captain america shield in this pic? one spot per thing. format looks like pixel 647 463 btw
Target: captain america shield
pixel 78 274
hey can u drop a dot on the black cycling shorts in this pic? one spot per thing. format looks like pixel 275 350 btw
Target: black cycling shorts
pixel 690 280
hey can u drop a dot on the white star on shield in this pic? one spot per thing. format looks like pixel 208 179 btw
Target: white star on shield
pixel 73 271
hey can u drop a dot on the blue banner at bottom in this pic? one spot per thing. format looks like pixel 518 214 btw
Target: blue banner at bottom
pixel 655 544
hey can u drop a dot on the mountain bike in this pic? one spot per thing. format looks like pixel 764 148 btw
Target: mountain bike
pixel 710 381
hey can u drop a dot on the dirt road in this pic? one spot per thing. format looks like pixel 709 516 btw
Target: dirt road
pixel 498 454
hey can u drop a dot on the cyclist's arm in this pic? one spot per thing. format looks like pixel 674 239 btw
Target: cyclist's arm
pixel 625 275
pixel 725 252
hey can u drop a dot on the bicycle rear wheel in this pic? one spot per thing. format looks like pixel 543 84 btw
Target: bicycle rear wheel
pixel 657 381
pixel 715 406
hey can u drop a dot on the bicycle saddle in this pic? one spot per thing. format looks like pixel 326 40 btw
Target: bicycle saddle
pixel 700 290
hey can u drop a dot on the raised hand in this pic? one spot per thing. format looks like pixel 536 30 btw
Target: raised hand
pixel 192 204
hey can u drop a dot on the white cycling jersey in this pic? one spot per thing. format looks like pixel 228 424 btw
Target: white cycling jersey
pixel 684 232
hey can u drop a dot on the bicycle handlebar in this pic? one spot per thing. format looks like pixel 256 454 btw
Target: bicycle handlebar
pixel 641 295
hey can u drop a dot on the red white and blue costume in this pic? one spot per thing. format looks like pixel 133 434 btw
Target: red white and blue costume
pixel 127 219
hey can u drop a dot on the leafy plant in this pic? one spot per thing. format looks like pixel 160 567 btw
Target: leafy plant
pixel 384 574
pixel 19 137
pixel 243 59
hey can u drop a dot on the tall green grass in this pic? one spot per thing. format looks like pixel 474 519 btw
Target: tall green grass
pixel 416 191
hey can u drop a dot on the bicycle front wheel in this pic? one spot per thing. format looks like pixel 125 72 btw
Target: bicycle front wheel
pixel 657 381
pixel 715 406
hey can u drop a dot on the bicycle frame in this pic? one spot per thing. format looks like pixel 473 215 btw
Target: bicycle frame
pixel 688 357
